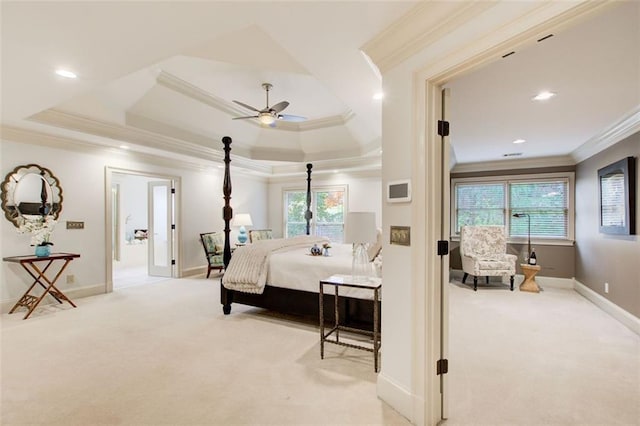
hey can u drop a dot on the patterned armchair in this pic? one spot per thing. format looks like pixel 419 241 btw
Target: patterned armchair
pixel 213 243
pixel 483 250
pixel 260 234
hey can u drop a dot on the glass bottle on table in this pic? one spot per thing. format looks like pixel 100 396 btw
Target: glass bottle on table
pixel 532 257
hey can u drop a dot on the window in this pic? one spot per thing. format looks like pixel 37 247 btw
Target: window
pixel 492 201
pixel 328 212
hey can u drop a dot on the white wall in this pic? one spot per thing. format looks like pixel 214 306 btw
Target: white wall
pixel 364 193
pixel 82 176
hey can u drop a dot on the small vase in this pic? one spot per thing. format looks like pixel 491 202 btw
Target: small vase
pixel 43 251
pixel 326 251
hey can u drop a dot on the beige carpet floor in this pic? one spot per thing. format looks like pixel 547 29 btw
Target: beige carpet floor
pixel 548 358
pixel 163 354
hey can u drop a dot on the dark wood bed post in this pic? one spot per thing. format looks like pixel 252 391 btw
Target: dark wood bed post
pixel 226 296
pixel 308 214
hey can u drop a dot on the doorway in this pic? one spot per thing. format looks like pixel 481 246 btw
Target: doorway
pixel 141 226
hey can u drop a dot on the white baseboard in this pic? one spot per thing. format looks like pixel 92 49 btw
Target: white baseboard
pixel 72 293
pixel 192 272
pixel 395 395
pixel 566 283
pixel 626 318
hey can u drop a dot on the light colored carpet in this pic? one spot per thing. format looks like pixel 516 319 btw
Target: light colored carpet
pixel 548 358
pixel 163 354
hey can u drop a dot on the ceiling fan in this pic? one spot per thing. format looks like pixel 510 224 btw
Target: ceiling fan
pixel 270 114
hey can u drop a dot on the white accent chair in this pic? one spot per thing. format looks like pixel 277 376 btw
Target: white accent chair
pixel 483 250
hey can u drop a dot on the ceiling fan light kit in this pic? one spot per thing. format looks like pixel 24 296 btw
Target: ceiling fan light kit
pixel 266 118
pixel 269 115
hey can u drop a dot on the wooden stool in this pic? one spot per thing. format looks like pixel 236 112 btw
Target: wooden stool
pixel 529 283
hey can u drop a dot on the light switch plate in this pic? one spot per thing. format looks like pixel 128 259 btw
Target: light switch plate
pixel 75 225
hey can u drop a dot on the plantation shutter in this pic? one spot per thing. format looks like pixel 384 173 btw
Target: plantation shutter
pixel 546 203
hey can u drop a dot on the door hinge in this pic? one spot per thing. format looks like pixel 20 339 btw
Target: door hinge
pixel 173 262
pixel 442 366
pixel 173 190
pixel 443 128
pixel 443 247
pixel 173 226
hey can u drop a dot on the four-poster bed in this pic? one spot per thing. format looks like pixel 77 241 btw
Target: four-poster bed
pixel 295 274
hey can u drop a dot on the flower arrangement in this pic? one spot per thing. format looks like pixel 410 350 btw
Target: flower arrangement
pixel 40 230
pixel 326 245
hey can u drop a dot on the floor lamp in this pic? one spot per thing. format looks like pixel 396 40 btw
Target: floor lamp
pixel 528 232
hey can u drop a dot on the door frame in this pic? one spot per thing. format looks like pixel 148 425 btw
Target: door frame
pixel 428 81
pixel 177 246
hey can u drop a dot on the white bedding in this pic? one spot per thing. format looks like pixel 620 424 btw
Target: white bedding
pixel 296 269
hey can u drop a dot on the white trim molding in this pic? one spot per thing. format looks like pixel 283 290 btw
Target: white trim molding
pixel 625 317
pixel 396 396
pixel 72 293
pixel 624 128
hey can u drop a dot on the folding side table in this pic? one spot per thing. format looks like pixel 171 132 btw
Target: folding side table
pixel 30 264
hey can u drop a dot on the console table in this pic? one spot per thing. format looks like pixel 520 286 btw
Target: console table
pixel 39 274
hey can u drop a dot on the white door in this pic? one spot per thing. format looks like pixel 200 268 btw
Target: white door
pixel 445 232
pixel 160 235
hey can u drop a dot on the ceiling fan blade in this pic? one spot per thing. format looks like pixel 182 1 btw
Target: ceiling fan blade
pixel 292 118
pixel 279 106
pixel 247 116
pixel 247 106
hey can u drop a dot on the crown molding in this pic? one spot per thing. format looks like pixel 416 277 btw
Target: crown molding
pixel 623 128
pixel 529 163
pixel 346 165
pixel 144 138
pixel 32 137
pixel 150 125
pixel 187 89
pixel 423 25
pixel 84 124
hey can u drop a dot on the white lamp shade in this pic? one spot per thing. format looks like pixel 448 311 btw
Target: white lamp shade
pixel 361 227
pixel 242 219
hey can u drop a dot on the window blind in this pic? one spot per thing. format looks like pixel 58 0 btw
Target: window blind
pixel 480 204
pixel 546 203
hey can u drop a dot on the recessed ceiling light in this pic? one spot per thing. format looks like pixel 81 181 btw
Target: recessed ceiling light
pixel 543 96
pixel 335 171
pixel 124 147
pixel 519 141
pixel 66 73
pixel 378 96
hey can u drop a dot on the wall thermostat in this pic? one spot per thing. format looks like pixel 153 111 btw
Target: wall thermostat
pixel 399 191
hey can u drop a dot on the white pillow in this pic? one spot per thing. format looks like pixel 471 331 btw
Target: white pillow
pixel 374 248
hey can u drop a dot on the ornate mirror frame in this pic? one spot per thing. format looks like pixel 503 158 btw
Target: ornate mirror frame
pixel 47 201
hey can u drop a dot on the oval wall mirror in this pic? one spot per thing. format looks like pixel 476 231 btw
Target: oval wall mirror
pixel 30 192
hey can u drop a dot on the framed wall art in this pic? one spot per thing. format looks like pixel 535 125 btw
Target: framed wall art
pixel 617 192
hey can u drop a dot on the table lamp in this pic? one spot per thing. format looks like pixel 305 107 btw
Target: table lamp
pixel 242 220
pixel 528 232
pixel 361 229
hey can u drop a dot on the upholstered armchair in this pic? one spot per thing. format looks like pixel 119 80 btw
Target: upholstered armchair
pixel 213 244
pixel 483 250
pixel 260 234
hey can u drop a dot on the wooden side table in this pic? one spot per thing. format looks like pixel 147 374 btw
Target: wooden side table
pixel 337 281
pixel 529 283
pixel 30 264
